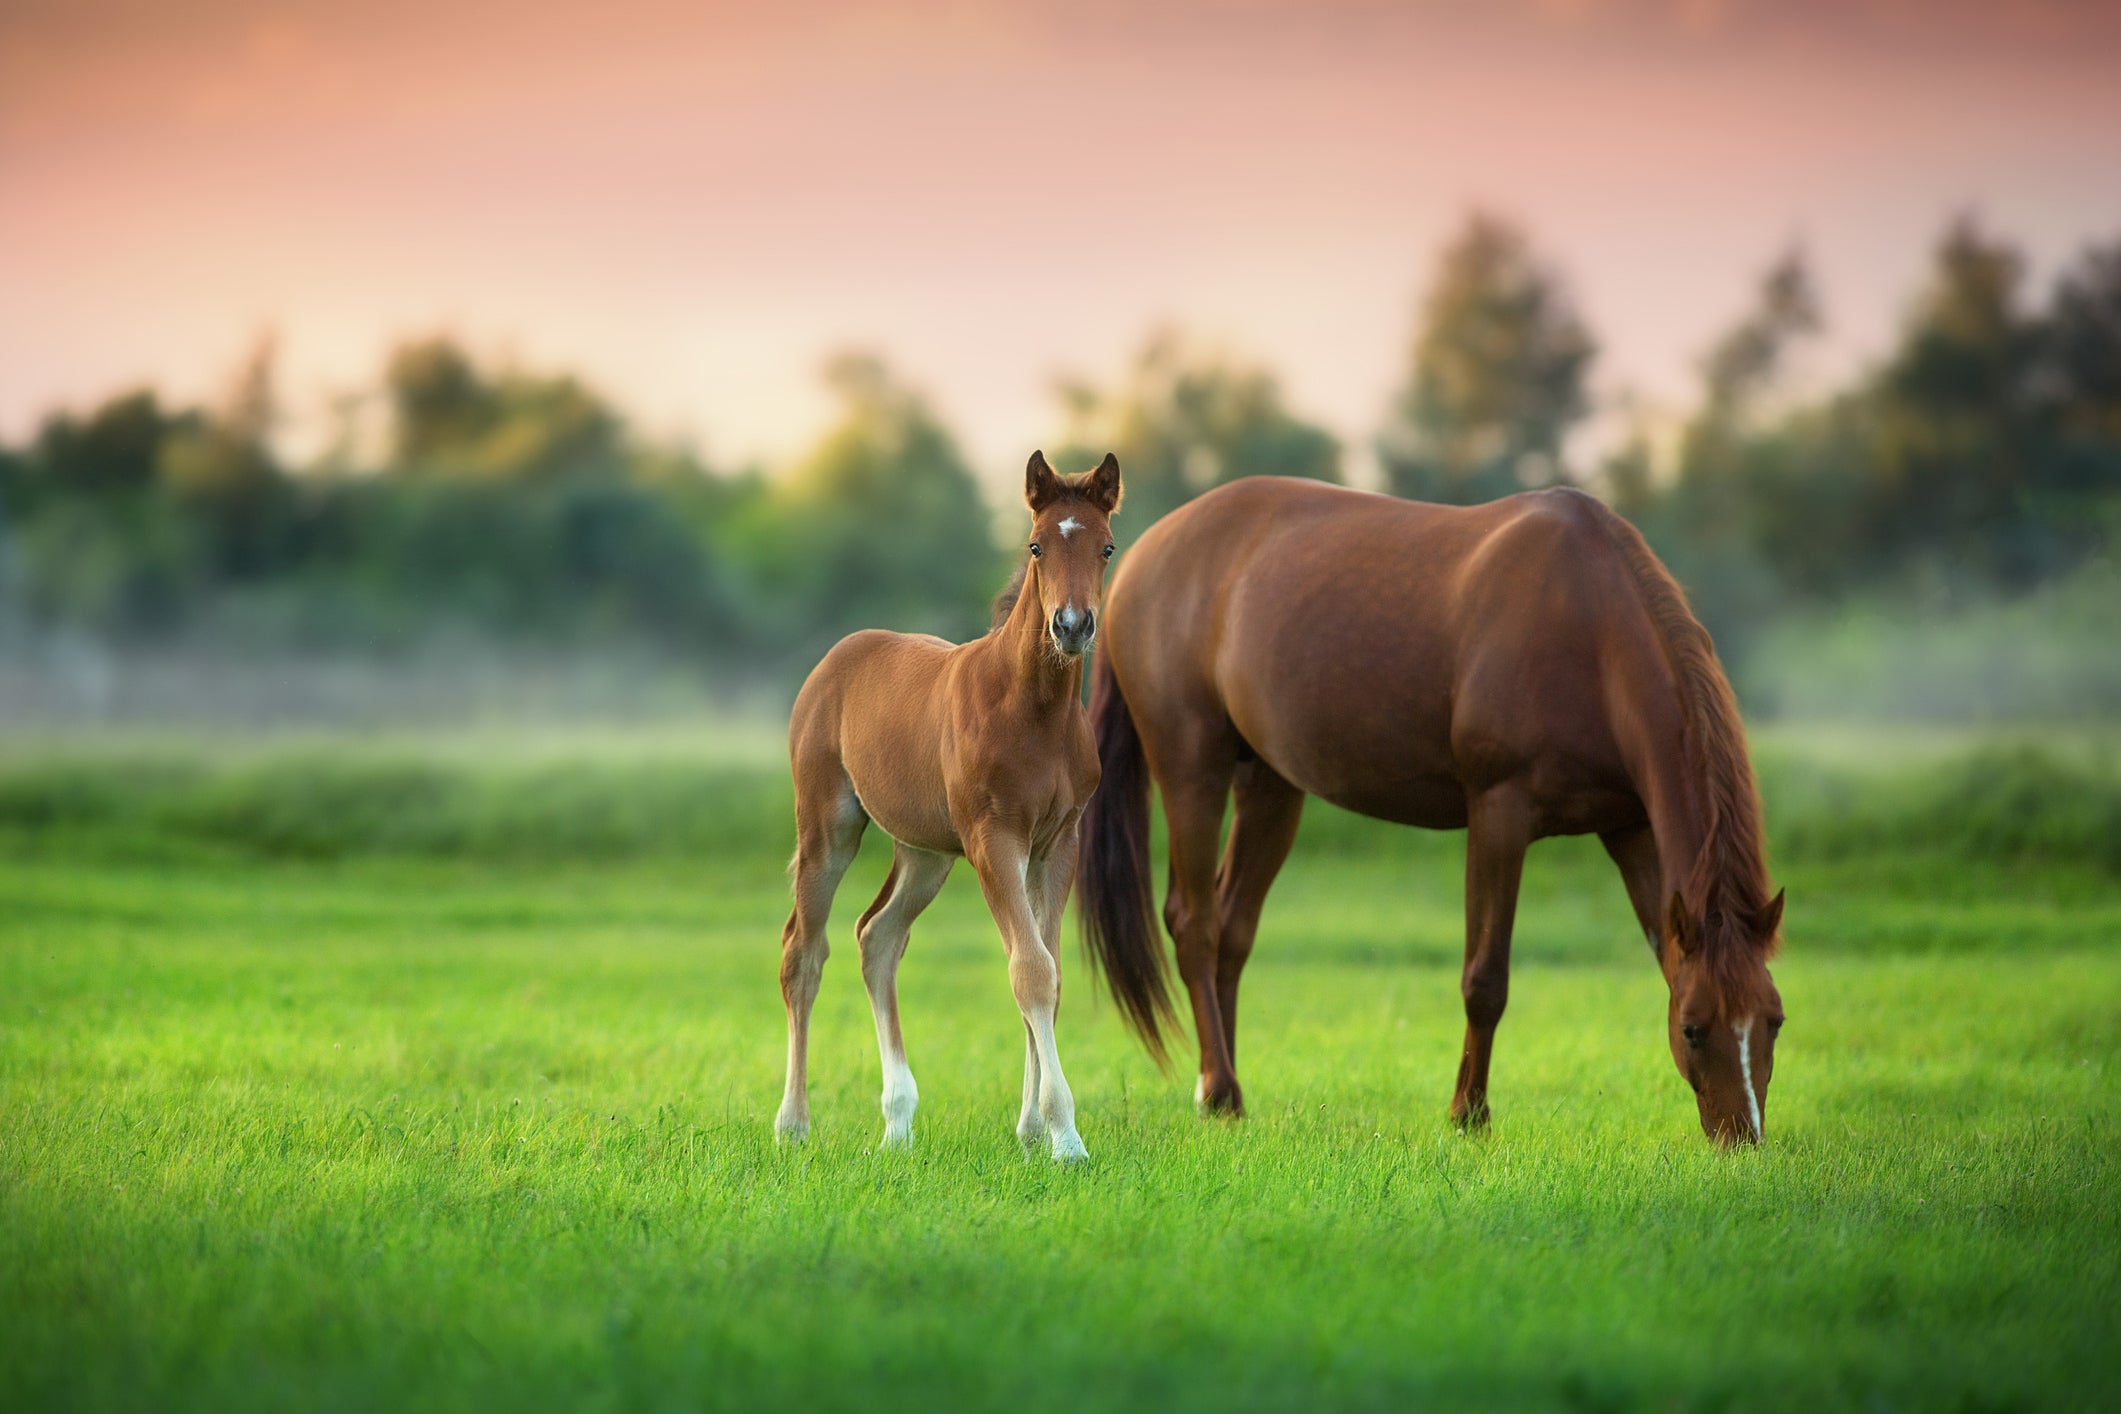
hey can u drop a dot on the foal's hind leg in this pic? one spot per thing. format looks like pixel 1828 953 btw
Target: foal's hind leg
pixel 1498 831
pixel 916 876
pixel 828 830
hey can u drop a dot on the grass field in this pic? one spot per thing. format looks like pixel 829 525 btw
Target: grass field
pixel 440 1075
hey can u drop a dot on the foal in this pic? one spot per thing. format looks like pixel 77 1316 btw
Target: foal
pixel 981 750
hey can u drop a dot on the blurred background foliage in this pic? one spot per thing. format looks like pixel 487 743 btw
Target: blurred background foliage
pixel 1933 538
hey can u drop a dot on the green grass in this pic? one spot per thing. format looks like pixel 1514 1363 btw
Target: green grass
pixel 321 1089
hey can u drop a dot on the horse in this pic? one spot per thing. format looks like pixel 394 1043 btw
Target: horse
pixel 980 750
pixel 1519 669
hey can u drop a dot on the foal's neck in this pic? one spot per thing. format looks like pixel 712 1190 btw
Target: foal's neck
pixel 1038 672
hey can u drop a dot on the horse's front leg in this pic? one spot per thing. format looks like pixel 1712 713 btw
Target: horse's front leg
pixel 1005 877
pixel 1498 831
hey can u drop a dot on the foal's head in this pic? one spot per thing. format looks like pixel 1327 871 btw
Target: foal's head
pixel 1071 542
pixel 1725 1012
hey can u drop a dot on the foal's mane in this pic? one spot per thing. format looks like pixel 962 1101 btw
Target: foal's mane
pixel 1728 888
pixel 1005 601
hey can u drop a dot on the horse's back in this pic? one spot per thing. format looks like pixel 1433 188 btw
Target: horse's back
pixel 872 712
pixel 1377 652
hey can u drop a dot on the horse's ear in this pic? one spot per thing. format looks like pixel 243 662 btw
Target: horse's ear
pixel 1679 926
pixel 1771 915
pixel 1041 487
pixel 1105 490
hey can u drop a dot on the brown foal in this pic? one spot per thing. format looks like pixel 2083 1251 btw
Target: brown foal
pixel 981 750
pixel 1517 670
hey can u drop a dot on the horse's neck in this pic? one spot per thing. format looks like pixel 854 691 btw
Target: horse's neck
pixel 1035 674
pixel 1667 776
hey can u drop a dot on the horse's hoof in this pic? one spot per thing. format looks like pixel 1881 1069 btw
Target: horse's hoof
pixel 898 1140
pixel 1471 1119
pixel 1068 1149
pixel 789 1131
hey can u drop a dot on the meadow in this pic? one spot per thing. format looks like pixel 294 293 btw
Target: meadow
pixel 438 1072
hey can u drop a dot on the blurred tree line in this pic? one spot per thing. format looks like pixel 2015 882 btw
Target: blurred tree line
pixel 1980 457
pixel 506 506
pixel 1979 460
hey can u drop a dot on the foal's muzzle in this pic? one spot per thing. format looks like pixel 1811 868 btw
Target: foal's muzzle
pixel 1072 629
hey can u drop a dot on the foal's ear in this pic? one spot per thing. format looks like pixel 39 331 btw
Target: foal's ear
pixel 1041 487
pixel 1104 490
pixel 1679 926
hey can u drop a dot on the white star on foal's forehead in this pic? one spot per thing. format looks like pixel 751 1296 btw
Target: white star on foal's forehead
pixel 1069 526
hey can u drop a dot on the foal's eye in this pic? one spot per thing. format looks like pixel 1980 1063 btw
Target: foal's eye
pixel 1035 550
pixel 1696 1036
pixel 1108 552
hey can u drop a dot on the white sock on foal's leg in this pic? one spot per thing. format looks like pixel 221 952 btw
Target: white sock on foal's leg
pixel 1030 1124
pixel 901 1098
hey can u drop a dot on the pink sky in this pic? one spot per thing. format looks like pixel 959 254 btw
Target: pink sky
pixel 692 204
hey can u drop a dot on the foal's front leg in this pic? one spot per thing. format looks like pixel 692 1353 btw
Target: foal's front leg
pixel 1004 870
pixel 1048 882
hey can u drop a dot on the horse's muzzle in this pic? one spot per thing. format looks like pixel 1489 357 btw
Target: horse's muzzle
pixel 1073 629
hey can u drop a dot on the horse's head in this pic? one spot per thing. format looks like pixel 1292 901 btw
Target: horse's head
pixel 1725 1013
pixel 1071 542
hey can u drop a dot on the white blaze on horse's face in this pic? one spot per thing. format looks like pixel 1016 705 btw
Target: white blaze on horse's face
pixel 1722 1022
pixel 1727 1061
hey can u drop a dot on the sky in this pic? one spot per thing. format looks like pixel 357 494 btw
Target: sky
pixel 693 205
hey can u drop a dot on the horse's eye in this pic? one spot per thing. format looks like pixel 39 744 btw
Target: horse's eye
pixel 1696 1036
pixel 1108 552
pixel 1035 550
pixel 1774 1026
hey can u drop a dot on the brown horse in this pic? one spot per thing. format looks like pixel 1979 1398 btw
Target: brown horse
pixel 980 750
pixel 1520 669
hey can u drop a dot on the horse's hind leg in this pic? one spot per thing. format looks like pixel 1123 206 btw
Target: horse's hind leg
pixel 828 830
pixel 1193 810
pixel 1262 829
pixel 1498 831
pixel 916 877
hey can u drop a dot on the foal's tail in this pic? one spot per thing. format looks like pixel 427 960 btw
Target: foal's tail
pixel 1112 871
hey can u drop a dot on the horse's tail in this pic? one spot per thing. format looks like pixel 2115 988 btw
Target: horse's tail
pixel 1112 871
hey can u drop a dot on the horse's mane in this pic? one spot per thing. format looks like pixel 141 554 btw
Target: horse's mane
pixel 1729 888
pixel 1005 601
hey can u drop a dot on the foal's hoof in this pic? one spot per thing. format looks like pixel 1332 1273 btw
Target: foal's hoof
pixel 897 1140
pixel 790 1131
pixel 1068 1149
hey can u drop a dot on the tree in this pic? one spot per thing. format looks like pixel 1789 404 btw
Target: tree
pixel 450 418
pixel 2084 344
pixel 1747 361
pixel 1956 438
pixel 1499 369
pixel 1187 419
pixel 882 524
